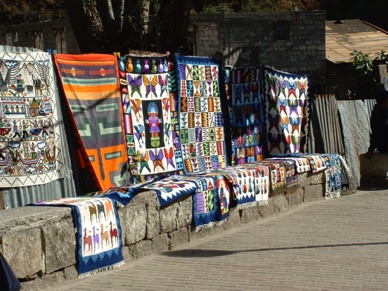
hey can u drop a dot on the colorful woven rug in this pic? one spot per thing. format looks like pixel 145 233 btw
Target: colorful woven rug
pixel 211 200
pixel 150 115
pixel 91 86
pixel 287 106
pixel 302 164
pixel 123 195
pixel 172 188
pixel 98 233
pixel 292 180
pixel 250 184
pixel 30 152
pixel 333 174
pixel 278 172
pixel 201 118
pixel 246 108
pixel 317 163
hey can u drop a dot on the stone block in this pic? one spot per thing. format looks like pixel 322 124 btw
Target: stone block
pixel 153 217
pixel 249 214
pixel 185 212
pixel 168 218
pixel 126 253
pixel 160 243
pixel 133 223
pixel 313 193
pixel 280 203
pixel 179 237
pixel 70 273
pixel 140 249
pixel 295 198
pixel 303 179
pixel 60 245
pixel 22 248
pixel 233 219
pixel 268 209
pixel 317 178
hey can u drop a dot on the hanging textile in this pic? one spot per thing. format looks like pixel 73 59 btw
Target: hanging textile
pixel 91 86
pixel 287 112
pixel 201 118
pixel 150 115
pixel 246 108
pixel 30 151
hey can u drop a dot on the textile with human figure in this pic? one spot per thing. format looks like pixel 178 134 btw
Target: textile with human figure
pixel 150 115
pixel 98 232
pixel 246 108
pixel 201 117
pixel 91 86
pixel 30 151
pixel 287 108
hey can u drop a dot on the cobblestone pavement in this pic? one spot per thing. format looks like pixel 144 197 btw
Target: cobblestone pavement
pixel 337 244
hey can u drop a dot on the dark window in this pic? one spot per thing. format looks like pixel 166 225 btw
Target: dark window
pixel 281 30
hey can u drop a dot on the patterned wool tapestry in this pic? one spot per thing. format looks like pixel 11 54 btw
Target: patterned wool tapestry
pixel 150 114
pixel 250 184
pixel 317 163
pixel 172 188
pixel 302 164
pixel 333 174
pixel 287 105
pixel 246 108
pixel 30 152
pixel 278 173
pixel 98 233
pixel 201 118
pixel 91 86
pixel 292 180
pixel 123 195
pixel 262 179
pixel 210 201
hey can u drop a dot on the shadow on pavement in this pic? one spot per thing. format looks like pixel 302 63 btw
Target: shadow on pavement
pixel 217 253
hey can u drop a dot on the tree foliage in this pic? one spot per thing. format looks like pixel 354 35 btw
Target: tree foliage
pixel 366 70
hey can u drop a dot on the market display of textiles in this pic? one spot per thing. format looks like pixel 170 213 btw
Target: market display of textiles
pixel 30 152
pixel 156 123
pixel 91 86
pixel 287 108
pixel 98 232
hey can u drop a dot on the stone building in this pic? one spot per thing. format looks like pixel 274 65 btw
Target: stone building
pixel 289 41
pixel 55 34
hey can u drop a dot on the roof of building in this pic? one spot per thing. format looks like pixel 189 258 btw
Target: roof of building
pixel 353 34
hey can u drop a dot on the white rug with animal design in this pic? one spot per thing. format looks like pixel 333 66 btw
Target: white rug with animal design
pixel 98 232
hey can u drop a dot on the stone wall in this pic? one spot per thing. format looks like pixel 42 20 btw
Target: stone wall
pixel 289 41
pixel 40 242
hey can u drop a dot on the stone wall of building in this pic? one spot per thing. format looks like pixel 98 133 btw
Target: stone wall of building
pixel 39 242
pixel 56 34
pixel 289 41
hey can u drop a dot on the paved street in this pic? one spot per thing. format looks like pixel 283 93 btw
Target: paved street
pixel 337 244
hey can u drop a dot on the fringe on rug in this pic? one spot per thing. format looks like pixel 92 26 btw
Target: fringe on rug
pixel 210 225
pixel 104 269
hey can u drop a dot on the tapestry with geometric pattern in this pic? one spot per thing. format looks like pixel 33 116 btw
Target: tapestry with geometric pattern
pixel 91 86
pixel 287 112
pixel 30 152
pixel 201 117
pixel 246 107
